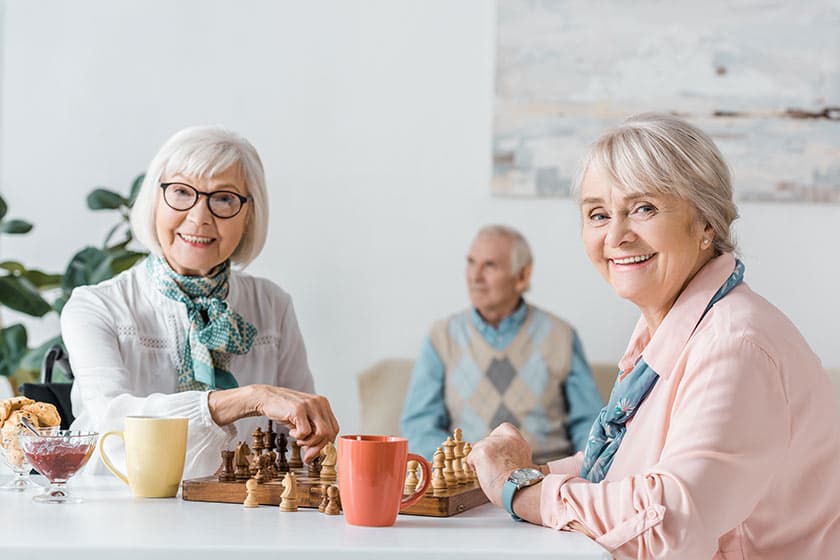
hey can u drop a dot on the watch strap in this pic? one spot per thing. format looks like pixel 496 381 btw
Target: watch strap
pixel 508 492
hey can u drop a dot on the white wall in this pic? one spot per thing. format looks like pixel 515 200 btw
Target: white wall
pixel 374 123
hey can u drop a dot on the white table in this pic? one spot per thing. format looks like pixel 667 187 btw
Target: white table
pixel 112 525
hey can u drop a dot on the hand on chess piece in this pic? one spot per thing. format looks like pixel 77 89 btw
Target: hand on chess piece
pixel 309 417
pixel 494 457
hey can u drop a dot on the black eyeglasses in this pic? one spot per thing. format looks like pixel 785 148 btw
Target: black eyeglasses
pixel 222 204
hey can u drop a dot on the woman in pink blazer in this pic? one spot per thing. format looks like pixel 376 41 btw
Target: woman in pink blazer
pixel 722 436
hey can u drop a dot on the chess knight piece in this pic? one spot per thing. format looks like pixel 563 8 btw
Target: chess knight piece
pixel 328 473
pixel 289 496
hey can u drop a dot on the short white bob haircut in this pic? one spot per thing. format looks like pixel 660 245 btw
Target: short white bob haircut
pixel 656 152
pixel 520 253
pixel 204 152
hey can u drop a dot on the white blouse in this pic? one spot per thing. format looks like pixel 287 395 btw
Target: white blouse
pixel 126 339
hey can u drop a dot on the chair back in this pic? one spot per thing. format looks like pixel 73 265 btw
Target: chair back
pixel 57 394
pixel 382 390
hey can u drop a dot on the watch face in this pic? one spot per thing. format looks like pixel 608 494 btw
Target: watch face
pixel 522 477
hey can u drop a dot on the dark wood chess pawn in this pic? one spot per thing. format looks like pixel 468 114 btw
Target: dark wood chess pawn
pixel 259 475
pixel 333 506
pixel 227 474
pixel 271 467
pixel 295 461
pixel 314 468
pixel 257 441
pixel 282 443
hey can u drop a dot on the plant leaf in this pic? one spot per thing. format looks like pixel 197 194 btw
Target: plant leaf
pixel 33 358
pixel 135 189
pixel 13 266
pixel 114 230
pixel 3 208
pixel 59 302
pixel 124 259
pixel 43 280
pixel 103 199
pixel 88 266
pixel 15 227
pixel 18 293
pixel 13 342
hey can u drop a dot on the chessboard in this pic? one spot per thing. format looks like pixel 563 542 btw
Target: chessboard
pixel 452 490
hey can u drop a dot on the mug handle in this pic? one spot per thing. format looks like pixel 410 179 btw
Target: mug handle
pixel 107 461
pixel 412 499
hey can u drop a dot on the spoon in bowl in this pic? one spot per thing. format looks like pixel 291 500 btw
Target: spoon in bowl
pixel 28 425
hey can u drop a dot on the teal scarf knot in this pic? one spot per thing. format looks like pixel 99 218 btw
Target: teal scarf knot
pixel 629 391
pixel 215 332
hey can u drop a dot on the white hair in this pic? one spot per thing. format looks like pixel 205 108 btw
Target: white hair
pixel 520 252
pixel 661 153
pixel 204 152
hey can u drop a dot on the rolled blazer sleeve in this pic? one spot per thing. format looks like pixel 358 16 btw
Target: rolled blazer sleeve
pixel 729 418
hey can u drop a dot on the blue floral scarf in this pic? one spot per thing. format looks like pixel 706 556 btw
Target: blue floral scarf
pixel 216 331
pixel 627 395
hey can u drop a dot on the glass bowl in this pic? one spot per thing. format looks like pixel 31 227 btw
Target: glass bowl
pixel 12 455
pixel 58 455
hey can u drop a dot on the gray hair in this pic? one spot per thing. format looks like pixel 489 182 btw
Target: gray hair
pixel 205 151
pixel 661 153
pixel 520 253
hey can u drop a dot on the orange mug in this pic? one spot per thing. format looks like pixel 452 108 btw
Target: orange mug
pixel 371 477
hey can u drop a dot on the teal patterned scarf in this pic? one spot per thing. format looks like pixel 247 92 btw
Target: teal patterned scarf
pixel 216 331
pixel 627 395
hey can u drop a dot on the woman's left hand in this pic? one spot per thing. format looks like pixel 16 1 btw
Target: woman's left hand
pixel 494 457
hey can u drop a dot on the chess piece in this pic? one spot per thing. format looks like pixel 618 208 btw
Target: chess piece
pixel 258 464
pixel 332 501
pixel 257 441
pixel 324 498
pixel 314 468
pixel 449 458
pixel 282 442
pixel 295 461
pixel 289 496
pixel 241 462
pixel 227 474
pixel 268 438
pixel 251 496
pixel 411 480
pixel 438 480
pixel 468 470
pixel 270 468
pixel 458 461
pixel 330 458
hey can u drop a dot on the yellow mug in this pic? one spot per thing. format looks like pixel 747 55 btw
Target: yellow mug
pixel 155 450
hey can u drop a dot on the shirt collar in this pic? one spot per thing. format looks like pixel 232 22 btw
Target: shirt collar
pixel 509 324
pixel 662 350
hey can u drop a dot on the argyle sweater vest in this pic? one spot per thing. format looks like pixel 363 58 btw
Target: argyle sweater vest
pixel 521 384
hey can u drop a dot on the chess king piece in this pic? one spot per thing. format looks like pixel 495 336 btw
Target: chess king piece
pixel 289 496
pixel 328 452
pixel 251 496
pixel 332 501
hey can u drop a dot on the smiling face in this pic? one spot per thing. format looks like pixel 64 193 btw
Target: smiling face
pixel 195 241
pixel 494 288
pixel 647 246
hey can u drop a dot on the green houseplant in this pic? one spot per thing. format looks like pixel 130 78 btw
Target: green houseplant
pixel 28 290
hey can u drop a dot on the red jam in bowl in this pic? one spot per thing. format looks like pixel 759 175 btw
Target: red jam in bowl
pixel 58 459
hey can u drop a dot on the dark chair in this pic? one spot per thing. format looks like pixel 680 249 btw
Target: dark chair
pixel 55 393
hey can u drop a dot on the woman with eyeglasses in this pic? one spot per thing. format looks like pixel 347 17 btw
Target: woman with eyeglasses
pixel 184 334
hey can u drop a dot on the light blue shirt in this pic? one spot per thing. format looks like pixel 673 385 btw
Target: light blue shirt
pixel 425 420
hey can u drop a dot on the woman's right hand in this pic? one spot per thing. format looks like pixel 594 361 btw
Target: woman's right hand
pixel 309 417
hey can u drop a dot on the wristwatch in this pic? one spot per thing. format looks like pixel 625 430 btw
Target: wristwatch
pixel 518 479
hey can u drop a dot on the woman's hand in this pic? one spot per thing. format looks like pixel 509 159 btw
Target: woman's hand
pixel 494 457
pixel 309 417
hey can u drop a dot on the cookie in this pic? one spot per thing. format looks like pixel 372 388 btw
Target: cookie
pixel 7 406
pixel 47 413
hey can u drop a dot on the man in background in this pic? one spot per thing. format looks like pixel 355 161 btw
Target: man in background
pixel 502 360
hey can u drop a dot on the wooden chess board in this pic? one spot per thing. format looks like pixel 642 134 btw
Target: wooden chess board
pixel 210 489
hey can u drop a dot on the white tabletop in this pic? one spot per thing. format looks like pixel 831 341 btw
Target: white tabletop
pixel 112 524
